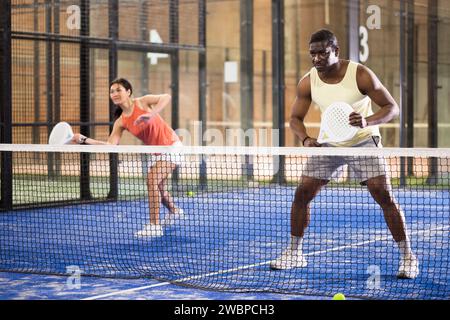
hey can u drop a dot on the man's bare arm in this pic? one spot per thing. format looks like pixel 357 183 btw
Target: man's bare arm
pixel 299 109
pixel 370 85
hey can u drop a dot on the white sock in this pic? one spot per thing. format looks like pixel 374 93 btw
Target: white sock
pixel 297 243
pixel 405 247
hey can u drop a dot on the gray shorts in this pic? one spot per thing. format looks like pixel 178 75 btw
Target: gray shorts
pixel 360 169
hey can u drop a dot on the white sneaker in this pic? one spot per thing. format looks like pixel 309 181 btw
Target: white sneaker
pixel 151 231
pixel 171 218
pixel 409 267
pixel 289 259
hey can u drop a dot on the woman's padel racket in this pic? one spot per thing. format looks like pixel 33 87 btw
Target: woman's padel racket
pixel 61 134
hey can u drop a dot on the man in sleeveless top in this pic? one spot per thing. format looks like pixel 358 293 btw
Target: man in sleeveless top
pixel 330 80
pixel 140 116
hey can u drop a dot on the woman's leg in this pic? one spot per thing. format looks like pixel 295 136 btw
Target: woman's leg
pixel 166 197
pixel 157 174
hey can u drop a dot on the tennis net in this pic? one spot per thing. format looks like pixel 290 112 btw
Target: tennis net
pixel 86 208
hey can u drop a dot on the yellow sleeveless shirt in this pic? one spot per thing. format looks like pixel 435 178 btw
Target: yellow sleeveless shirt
pixel 324 94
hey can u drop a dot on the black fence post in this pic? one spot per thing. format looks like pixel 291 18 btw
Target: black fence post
pixel 113 14
pixel 202 88
pixel 6 104
pixel 278 86
pixel 85 98
pixel 175 70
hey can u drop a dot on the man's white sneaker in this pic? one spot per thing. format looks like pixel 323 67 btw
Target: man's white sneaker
pixel 171 218
pixel 151 231
pixel 289 259
pixel 409 267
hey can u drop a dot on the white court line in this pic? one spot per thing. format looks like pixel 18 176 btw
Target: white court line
pixel 318 204
pixel 255 265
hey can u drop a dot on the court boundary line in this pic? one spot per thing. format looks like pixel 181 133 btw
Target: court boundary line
pixel 379 238
pixel 321 204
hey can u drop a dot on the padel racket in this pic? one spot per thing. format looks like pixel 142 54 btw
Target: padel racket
pixel 61 134
pixel 334 126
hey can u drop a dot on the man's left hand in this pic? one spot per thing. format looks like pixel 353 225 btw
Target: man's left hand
pixel 357 120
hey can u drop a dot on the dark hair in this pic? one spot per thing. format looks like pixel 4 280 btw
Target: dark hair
pixel 127 85
pixel 325 35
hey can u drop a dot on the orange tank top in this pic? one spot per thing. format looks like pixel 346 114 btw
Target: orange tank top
pixel 155 132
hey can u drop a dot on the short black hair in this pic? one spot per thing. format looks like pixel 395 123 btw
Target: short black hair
pixel 325 35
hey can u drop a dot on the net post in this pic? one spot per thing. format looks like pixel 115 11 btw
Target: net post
pixel 6 104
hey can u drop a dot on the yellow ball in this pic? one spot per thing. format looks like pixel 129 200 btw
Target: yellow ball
pixel 338 296
pixel 190 193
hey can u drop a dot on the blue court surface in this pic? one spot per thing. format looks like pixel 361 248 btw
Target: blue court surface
pixel 16 286
pixel 223 248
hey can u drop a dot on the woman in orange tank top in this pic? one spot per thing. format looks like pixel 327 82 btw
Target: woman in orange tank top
pixel 140 116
